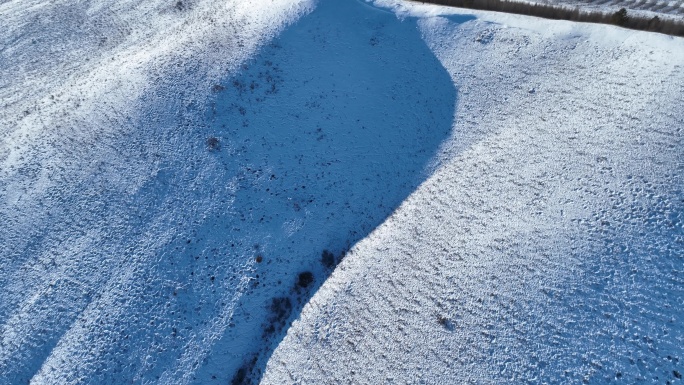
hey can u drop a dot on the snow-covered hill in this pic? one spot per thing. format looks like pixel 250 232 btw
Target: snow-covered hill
pixel 548 248
pixel 159 212
pixel 178 178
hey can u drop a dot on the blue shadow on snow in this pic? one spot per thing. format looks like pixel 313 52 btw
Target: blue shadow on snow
pixel 332 126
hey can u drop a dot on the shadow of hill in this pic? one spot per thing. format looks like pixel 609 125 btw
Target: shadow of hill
pixel 329 128
pixel 179 249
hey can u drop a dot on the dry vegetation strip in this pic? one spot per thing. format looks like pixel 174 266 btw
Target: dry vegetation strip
pixel 548 11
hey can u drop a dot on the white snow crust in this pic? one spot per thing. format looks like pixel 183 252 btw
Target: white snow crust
pixel 548 247
pixel 506 193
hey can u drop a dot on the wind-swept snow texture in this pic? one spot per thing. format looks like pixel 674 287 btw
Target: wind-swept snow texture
pixel 171 174
pixel 548 248
pixel 178 178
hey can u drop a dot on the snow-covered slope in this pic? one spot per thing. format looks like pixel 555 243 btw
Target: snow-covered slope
pixel 106 176
pixel 178 178
pixel 548 248
pixel 168 199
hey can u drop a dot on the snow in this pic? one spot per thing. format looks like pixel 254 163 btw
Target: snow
pixel 647 8
pixel 104 174
pixel 547 248
pixel 170 172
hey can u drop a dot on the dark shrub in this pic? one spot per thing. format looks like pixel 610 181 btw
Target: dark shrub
pixel 240 377
pixel 305 279
pixel 654 23
pixel 281 307
pixel 279 311
pixel 244 375
pixel 213 143
pixel 620 17
pixel 328 259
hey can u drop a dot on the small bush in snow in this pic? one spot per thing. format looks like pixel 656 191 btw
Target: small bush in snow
pixel 305 279
pixel 328 259
pixel 213 143
pixel 278 313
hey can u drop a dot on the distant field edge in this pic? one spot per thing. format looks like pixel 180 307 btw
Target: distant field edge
pixel 620 18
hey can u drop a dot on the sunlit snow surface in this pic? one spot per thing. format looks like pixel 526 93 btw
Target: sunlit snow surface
pixel 151 154
pixel 548 248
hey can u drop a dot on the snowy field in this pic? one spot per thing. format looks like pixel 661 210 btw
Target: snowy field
pixel 549 246
pixel 662 8
pixel 178 181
